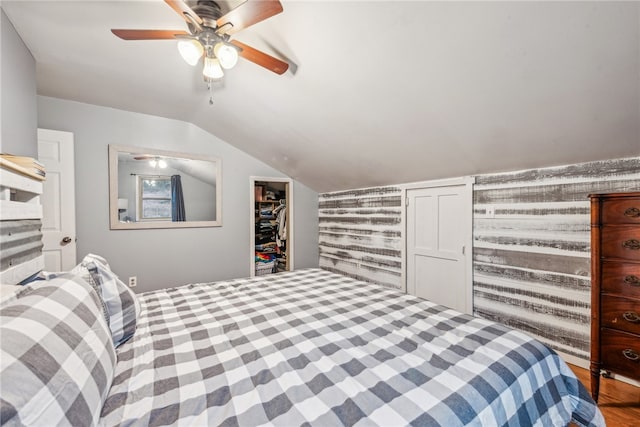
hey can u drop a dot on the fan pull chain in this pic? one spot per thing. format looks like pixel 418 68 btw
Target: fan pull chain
pixel 210 87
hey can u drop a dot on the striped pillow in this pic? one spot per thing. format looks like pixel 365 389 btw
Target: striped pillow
pixel 121 303
pixel 82 270
pixel 56 354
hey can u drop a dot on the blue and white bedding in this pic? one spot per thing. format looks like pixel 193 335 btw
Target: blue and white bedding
pixel 315 348
pixel 57 357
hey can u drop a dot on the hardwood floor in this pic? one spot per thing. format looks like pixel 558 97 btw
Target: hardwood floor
pixel 618 401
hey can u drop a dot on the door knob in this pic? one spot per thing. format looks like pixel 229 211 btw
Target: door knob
pixel 66 241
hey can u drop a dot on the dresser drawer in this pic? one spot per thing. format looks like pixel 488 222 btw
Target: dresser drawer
pixel 620 242
pixel 620 313
pixel 620 352
pixel 621 278
pixel 621 211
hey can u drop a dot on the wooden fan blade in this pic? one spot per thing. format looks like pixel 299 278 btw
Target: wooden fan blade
pixel 261 58
pixel 248 13
pixel 148 34
pixel 182 9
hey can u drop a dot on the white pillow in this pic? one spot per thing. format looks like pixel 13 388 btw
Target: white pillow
pixel 56 354
pixel 121 304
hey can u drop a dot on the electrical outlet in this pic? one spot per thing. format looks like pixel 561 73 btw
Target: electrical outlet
pixel 133 281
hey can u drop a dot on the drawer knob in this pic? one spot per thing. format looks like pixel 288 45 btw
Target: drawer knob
pixel 632 213
pixel 633 244
pixel 630 354
pixel 632 280
pixel 630 316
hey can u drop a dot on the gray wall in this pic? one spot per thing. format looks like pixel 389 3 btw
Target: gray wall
pixel 162 258
pixel 19 108
pixel 531 259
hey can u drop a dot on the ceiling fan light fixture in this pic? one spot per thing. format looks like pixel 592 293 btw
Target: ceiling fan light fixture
pixel 157 162
pixel 212 68
pixel 227 55
pixel 191 50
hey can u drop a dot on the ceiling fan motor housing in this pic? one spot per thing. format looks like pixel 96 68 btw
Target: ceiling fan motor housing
pixel 209 11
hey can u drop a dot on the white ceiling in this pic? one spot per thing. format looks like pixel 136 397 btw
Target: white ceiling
pixel 385 91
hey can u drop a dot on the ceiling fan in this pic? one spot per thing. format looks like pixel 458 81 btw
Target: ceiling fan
pixel 209 35
pixel 154 161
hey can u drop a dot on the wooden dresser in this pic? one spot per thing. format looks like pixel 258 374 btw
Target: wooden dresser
pixel 615 278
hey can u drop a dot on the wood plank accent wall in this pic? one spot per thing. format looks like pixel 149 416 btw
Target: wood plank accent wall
pixel 531 260
pixel 531 255
pixel 360 234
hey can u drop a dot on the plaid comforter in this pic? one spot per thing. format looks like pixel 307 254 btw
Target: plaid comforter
pixel 315 348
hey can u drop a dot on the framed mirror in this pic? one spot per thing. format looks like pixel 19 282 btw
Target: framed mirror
pixel 163 189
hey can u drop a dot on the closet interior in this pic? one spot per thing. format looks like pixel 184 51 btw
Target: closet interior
pixel 271 227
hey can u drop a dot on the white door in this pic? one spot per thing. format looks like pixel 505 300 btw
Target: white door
pixel 55 151
pixel 438 233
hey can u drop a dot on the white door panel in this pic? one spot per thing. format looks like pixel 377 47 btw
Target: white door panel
pixel 55 151
pixel 425 231
pixel 434 277
pixel 450 216
pixel 437 233
pixel 51 199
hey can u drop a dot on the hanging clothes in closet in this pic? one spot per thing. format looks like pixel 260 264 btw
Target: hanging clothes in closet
pixel 281 224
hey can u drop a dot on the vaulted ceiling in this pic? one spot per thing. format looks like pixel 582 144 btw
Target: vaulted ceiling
pixel 379 92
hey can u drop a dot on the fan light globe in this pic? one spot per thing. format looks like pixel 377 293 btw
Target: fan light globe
pixel 212 68
pixel 227 55
pixel 191 50
pixel 162 164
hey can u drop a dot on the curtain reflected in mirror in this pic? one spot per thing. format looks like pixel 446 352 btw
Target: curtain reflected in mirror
pixel 162 189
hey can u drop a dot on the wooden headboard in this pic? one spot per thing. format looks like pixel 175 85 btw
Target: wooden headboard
pixel 20 221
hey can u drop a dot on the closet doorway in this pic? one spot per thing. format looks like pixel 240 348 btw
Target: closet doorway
pixel 271 227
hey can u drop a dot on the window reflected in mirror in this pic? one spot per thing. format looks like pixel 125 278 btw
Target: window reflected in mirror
pixel 162 189
pixel 154 198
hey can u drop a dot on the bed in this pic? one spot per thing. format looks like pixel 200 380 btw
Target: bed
pixel 307 347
